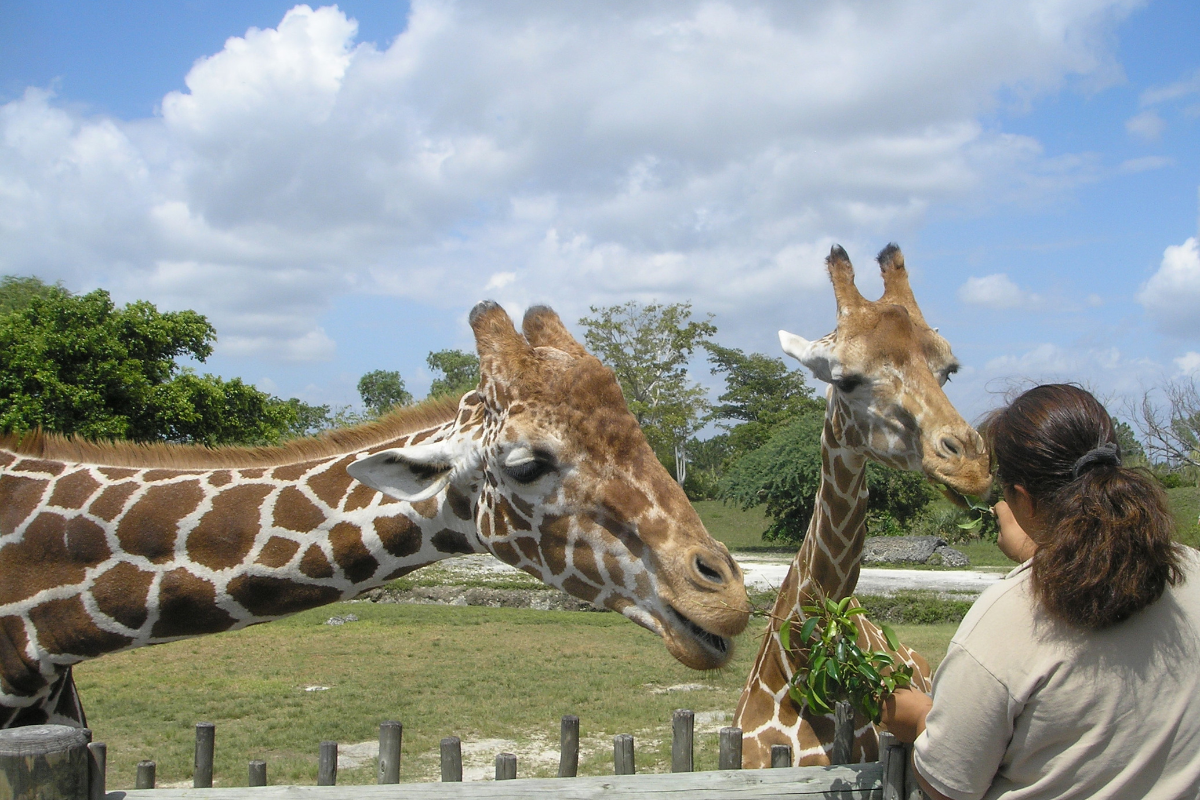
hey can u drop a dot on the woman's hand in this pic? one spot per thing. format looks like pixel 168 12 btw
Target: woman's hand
pixel 904 713
pixel 1013 541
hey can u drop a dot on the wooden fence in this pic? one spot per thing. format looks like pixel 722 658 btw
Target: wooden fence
pixel 50 761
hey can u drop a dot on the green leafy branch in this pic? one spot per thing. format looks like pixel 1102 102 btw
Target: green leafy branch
pixel 977 511
pixel 836 667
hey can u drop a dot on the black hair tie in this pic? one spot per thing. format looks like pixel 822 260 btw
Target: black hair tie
pixel 1107 453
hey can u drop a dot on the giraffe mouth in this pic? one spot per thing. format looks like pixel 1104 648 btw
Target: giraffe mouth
pixel 718 644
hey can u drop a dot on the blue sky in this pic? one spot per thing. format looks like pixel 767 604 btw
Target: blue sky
pixel 336 186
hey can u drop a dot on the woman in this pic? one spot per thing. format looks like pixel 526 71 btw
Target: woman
pixel 1078 676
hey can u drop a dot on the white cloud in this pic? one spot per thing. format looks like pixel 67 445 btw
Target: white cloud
pixel 1172 295
pixel 1189 363
pixel 500 279
pixel 1144 164
pixel 1147 125
pixel 1184 87
pixel 996 291
pixel 700 150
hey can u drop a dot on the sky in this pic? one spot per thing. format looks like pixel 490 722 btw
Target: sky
pixel 336 186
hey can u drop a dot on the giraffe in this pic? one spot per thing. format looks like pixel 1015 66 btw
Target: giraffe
pixel 885 368
pixel 107 547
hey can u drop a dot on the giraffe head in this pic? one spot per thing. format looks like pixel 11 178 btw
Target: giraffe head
pixel 561 483
pixel 886 368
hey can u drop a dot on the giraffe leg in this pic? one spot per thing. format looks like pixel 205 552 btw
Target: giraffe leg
pixel 66 707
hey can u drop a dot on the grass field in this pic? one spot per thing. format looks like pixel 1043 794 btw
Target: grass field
pixel 498 678
pixel 741 531
pixel 1185 504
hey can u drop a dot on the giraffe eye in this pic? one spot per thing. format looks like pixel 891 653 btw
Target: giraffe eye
pixel 528 471
pixel 849 383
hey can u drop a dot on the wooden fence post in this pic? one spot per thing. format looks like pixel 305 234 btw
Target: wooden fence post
pixel 256 773
pixel 327 764
pixel 97 770
pixel 145 775
pixel 843 733
pixel 506 766
pixel 891 756
pixel 206 737
pixel 45 761
pixel 731 749
pixel 451 759
pixel 781 755
pixel 623 754
pixel 568 747
pixel 912 789
pixel 390 735
pixel 683 724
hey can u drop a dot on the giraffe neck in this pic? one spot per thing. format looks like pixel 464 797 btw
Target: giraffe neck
pixel 828 561
pixel 97 558
pixel 827 565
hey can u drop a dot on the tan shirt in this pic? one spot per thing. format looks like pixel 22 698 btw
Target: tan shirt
pixel 1027 707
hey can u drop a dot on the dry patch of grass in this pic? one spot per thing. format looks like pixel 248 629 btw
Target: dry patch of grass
pixel 500 679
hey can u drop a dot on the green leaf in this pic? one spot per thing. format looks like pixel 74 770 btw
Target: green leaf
pixel 890 636
pixel 785 635
pixel 843 605
pixel 850 612
pixel 806 630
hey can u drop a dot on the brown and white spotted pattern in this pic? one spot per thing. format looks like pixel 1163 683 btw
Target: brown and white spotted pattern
pixel 886 368
pixel 111 547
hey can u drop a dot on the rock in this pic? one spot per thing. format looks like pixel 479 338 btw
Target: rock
pixel 901 549
pixel 948 557
pixel 541 599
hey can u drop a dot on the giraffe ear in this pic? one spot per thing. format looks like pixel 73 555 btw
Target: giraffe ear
pixel 543 328
pixel 503 353
pixel 412 473
pixel 815 355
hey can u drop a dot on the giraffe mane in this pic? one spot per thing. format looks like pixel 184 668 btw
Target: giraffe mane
pixel 163 455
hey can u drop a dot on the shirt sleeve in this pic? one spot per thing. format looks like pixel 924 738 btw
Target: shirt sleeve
pixel 968 728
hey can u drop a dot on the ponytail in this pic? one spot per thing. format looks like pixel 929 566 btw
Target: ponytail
pixel 1106 551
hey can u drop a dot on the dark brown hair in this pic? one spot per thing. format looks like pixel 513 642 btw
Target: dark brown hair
pixel 1106 551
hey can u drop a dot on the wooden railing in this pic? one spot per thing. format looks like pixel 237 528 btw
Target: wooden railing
pixel 52 761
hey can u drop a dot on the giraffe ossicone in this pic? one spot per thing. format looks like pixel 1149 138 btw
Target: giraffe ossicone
pixel 108 547
pixel 886 369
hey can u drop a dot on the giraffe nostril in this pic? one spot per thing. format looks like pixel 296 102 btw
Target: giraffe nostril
pixel 951 446
pixel 709 573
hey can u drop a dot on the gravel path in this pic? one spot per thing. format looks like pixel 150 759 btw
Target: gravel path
pixel 767 572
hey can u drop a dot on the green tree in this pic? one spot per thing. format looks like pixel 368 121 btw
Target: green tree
pixel 760 394
pixel 786 472
pixel 708 460
pixel 1132 452
pixel 17 292
pixel 381 390
pixel 306 420
pixel 1172 433
pixel 648 347
pixel 457 371
pixel 80 365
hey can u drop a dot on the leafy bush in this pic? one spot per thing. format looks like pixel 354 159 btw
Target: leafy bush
pixel 1169 480
pixel 949 522
pixel 784 474
pixel 835 668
